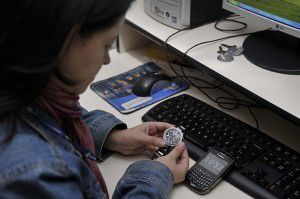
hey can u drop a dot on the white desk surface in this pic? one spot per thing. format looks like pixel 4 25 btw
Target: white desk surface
pixel 114 167
pixel 278 89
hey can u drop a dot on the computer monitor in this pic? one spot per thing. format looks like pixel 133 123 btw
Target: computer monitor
pixel 277 49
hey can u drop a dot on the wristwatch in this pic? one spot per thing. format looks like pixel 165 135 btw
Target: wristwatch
pixel 172 137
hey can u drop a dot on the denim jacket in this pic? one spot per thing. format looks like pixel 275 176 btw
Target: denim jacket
pixel 38 163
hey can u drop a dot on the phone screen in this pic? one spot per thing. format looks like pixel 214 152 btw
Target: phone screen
pixel 213 163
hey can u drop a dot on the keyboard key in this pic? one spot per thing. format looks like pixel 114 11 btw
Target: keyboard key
pixel 260 158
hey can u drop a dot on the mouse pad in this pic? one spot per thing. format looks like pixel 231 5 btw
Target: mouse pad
pixel 116 90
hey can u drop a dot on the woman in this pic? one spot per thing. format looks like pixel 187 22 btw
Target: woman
pixel 50 51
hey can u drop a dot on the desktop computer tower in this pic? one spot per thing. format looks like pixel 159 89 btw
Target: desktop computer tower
pixel 181 14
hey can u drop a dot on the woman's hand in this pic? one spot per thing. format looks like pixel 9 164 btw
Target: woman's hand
pixel 145 137
pixel 177 161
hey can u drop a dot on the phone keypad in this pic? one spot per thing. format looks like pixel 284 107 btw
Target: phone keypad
pixel 199 177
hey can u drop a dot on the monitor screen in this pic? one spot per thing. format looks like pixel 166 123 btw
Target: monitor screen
pixel 283 15
pixel 277 49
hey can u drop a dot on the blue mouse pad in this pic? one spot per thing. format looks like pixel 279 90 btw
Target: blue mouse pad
pixel 117 89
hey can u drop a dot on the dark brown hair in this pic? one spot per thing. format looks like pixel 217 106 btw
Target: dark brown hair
pixel 31 37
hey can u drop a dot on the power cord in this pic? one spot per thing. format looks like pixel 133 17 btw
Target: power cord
pixel 228 19
pixel 228 103
pixel 219 39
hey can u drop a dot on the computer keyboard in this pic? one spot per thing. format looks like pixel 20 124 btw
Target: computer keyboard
pixel 264 168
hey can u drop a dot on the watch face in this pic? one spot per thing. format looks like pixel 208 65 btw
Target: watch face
pixel 172 136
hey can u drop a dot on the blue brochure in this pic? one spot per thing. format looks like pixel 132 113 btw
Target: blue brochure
pixel 117 89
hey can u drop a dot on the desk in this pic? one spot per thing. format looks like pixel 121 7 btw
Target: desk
pixel 114 167
pixel 279 91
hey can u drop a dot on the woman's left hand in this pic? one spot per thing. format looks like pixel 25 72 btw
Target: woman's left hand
pixel 145 137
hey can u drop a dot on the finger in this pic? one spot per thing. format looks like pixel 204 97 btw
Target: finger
pixel 150 148
pixel 184 160
pixel 177 151
pixel 158 128
pixel 135 151
pixel 154 141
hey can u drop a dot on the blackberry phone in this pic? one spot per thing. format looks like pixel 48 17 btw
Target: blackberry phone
pixel 205 174
pixel 172 137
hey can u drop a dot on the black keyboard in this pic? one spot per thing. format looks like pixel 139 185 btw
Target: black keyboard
pixel 264 168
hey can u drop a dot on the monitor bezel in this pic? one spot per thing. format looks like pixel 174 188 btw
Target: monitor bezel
pixel 262 20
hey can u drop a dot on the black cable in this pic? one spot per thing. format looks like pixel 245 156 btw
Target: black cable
pixel 244 25
pixel 217 100
pixel 222 38
pixel 167 56
pixel 212 86
pixel 175 33
pixel 254 116
pixel 235 102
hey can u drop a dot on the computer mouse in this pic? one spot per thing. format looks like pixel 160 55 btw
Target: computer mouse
pixel 150 83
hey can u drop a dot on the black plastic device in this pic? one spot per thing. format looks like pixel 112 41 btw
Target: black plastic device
pixel 146 85
pixel 263 167
pixel 274 51
pixel 206 173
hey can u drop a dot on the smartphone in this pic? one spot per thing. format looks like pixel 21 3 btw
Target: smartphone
pixel 206 173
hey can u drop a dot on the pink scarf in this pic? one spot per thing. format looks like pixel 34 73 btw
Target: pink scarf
pixel 64 108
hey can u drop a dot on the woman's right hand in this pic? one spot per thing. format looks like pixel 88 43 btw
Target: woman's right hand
pixel 177 161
